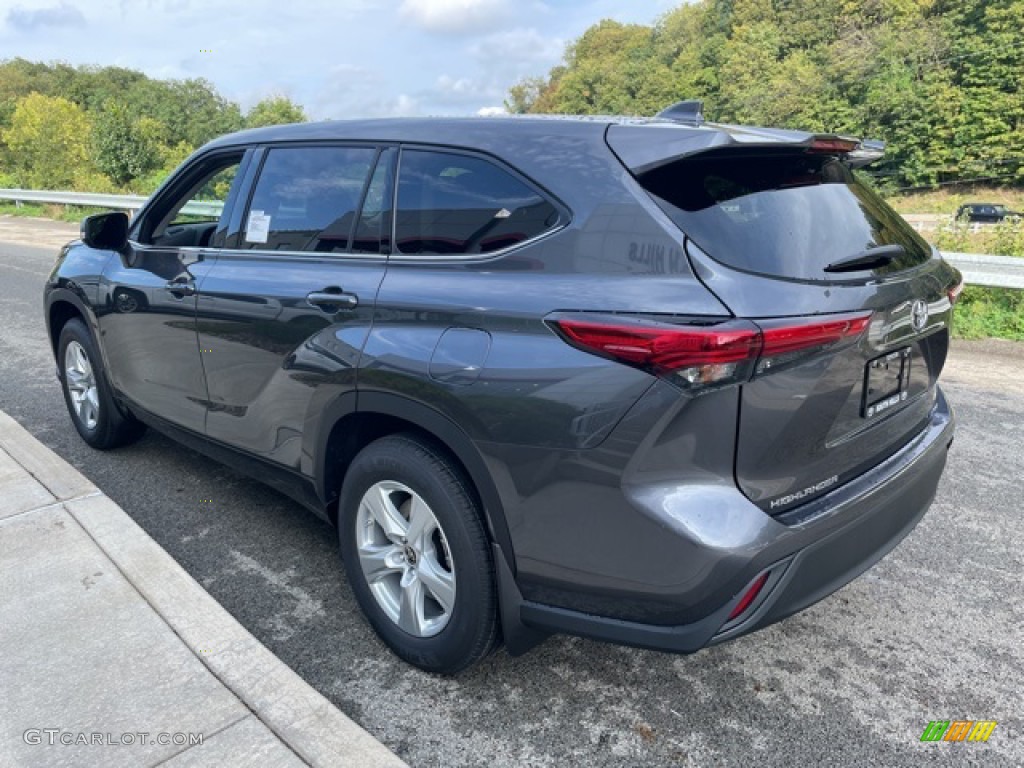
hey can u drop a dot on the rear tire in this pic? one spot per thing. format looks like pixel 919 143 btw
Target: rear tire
pixel 87 392
pixel 417 554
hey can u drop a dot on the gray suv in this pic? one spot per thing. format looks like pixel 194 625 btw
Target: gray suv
pixel 658 382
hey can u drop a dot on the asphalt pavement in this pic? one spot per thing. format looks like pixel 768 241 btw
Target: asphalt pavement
pixel 934 632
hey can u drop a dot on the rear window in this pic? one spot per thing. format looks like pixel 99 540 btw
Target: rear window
pixel 782 215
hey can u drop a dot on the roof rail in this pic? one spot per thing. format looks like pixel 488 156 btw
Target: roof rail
pixel 690 111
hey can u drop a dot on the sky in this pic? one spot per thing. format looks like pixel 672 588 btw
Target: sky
pixel 341 59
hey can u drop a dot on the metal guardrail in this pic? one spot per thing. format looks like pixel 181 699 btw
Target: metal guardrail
pixel 117 202
pixel 98 200
pixel 978 269
pixel 990 271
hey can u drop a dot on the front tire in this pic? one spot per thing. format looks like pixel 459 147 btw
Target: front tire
pixel 417 554
pixel 87 392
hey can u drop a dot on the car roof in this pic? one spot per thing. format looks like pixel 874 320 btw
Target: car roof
pixel 641 143
pixel 484 131
pixel 430 130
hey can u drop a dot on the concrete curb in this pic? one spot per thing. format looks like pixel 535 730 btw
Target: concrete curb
pixel 303 719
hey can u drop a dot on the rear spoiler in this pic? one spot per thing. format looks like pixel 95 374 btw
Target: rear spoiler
pixel 680 131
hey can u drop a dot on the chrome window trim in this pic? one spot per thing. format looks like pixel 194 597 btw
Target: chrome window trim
pixel 308 255
pixel 477 258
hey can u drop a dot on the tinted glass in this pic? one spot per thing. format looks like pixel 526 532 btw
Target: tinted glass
pixel 454 204
pixel 207 202
pixel 306 198
pixel 785 215
pixel 191 216
pixel 373 229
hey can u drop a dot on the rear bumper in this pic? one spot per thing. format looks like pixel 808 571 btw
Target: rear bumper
pixel 809 552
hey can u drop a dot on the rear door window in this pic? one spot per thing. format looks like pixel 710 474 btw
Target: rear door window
pixel 450 203
pixel 306 199
pixel 785 215
pixel 373 228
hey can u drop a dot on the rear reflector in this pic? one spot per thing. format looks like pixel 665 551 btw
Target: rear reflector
pixel 749 596
pixel 703 355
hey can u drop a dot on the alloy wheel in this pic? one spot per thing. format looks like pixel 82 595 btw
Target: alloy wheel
pixel 405 558
pixel 80 380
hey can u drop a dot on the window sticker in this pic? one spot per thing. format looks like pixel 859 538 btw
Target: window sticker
pixel 257 230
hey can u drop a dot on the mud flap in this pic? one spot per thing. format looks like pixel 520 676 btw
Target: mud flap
pixel 519 638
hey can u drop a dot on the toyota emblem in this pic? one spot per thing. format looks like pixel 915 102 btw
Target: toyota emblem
pixel 919 315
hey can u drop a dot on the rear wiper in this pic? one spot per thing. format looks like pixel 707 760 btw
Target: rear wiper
pixel 872 258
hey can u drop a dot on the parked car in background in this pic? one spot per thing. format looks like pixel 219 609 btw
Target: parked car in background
pixel 657 382
pixel 986 213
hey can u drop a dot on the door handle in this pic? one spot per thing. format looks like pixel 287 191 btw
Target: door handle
pixel 332 300
pixel 181 287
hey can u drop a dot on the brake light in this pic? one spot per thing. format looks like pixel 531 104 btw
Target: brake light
pixel 703 355
pixel 697 354
pixel 832 146
pixel 785 342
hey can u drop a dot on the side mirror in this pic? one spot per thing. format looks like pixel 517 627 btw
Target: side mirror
pixel 106 231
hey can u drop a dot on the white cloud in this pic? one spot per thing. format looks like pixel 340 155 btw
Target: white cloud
pixel 29 20
pixel 490 65
pixel 521 46
pixel 403 106
pixel 353 91
pixel 325 54
pixel 491 112
pixel 454 16
pixel 448 84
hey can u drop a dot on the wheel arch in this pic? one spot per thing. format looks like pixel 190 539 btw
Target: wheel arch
pixel 352 422
pixel 63 305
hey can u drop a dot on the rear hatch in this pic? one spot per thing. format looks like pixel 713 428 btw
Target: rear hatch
pixel 854 307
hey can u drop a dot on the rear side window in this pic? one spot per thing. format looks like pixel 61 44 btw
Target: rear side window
pixel 306 198
pixel 458 204
pixel 785 215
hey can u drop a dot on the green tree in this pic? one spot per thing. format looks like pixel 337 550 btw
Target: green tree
pixel 170 159
pixel 275 110
pixel 938 80
pixel 524 94
pixel 191 110
pixel 988 69
pixel 136 142
pixel 600 76
pixel 124 149
pixel 750 60
pixel 47 142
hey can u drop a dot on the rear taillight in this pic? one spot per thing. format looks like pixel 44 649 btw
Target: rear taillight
pixel 698 356
pixel 693 355
pixel 954 291
pixel 786 341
